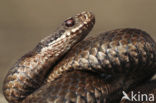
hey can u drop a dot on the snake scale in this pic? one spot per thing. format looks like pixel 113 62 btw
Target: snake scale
pixel 66 68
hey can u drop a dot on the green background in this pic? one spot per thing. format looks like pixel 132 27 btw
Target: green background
pixel 23 23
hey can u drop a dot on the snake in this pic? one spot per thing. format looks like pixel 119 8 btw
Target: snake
pixel 66 67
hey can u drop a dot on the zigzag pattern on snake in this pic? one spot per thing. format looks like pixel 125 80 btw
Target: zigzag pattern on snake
pixel 66 68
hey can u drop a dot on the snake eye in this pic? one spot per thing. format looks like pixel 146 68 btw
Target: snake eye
pixel 70 22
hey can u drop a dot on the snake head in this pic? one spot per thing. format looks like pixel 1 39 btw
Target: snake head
pixel 72 30
pixel 78 26
pixel 79 23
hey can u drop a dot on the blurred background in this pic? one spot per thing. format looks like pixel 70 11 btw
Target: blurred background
pixel 23 23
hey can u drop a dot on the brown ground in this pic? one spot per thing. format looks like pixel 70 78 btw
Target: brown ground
pixel 24 23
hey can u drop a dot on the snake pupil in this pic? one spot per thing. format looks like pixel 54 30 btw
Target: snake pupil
pixel 70 22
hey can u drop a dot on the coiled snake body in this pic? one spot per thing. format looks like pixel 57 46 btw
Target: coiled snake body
pixel 95 70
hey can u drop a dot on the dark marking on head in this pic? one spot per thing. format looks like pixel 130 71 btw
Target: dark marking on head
pixel 38 47
pixel 48 40
pixel 58 34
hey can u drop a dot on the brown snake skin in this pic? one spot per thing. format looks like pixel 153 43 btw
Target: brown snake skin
pixel 64 68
